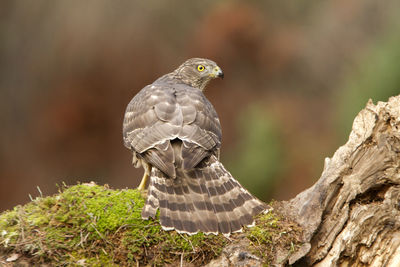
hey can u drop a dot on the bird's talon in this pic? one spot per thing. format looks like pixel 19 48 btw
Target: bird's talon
pixel 143 192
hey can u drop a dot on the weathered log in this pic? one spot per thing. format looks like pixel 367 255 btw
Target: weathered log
pixel 351 216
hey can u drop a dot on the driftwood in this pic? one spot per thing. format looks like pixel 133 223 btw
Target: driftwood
pixel 351 216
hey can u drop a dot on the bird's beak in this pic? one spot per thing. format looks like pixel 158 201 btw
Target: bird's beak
pixel 217 73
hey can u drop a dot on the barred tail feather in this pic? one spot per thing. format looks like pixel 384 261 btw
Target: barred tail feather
pixel 206 199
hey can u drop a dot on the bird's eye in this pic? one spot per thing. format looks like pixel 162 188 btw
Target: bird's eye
pixel 200 67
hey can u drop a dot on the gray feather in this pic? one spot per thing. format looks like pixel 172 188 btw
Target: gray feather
pixel 171 126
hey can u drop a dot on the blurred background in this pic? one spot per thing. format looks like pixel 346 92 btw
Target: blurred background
pixel 296 74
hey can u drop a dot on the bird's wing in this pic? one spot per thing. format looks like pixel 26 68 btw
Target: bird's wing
pixel 162 112
pixel 201 131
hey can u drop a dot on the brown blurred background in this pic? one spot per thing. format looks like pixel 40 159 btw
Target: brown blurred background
pixel 296 74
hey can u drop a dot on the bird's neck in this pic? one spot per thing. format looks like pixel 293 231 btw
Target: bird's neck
pixel 176 77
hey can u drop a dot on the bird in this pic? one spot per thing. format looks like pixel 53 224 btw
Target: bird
pixel 175 134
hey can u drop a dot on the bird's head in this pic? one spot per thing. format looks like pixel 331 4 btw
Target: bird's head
pixel 197 72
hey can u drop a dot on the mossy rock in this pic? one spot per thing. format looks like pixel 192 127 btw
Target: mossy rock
pixel 91 225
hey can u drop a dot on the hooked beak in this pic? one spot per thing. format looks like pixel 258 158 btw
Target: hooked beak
pixel 217 73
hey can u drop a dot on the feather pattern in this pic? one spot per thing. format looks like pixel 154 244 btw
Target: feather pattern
pixel 171 126
pixel 207 199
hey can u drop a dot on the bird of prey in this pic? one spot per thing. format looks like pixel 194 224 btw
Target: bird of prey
pixel 175 134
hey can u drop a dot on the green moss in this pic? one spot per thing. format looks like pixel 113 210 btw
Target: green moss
pixel 91 224
pixel 262 233
pixel 271 233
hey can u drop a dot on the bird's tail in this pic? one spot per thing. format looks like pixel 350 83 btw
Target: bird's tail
pixel 206 199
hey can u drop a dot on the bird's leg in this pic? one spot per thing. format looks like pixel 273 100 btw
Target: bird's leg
pixel 146 176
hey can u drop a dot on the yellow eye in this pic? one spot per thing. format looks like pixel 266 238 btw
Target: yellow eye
pixel 200 67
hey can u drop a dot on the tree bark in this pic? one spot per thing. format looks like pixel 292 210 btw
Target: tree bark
pixel 351 215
